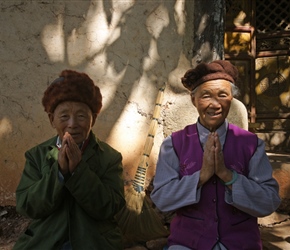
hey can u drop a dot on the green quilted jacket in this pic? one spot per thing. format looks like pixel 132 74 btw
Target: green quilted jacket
pixel 81 209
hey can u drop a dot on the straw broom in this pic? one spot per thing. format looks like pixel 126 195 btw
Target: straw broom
pixel 138 220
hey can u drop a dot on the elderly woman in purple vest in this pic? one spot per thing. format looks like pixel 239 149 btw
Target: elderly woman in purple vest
pixel 213 174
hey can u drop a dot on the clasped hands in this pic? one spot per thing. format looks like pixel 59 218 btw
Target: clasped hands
pixel 213 161
pixel 69 155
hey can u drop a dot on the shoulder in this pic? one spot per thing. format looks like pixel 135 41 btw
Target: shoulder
pixel 189 129
pixel 48 144
pixel 245 138
pixel 236 130
pixel 105 147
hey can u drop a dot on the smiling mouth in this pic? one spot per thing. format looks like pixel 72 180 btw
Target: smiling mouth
pixel 212 114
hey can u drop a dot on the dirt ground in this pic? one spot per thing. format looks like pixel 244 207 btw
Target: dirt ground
pixel 275 230
pixel 11 226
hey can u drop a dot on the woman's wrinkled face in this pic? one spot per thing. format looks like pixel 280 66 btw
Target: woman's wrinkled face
pixel 212 100
pixel 76 118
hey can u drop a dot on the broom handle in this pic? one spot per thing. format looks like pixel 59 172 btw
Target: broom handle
pixel 139 180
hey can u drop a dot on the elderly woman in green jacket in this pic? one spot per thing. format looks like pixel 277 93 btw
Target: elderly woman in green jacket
pixel 71 186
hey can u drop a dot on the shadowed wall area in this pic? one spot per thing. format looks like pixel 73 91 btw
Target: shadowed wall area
pixel 129 48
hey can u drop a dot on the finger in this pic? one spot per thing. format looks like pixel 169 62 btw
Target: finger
pixel 66 135
pixel 68 139
pixel 73 152
pixel 72 144
pixel 219 157
pixel 217 141
pixel 210 142
pixel 69 153
pixel 63 160
pixel 219 161
pixel 64 142
pixel 61 152
pixel 74 157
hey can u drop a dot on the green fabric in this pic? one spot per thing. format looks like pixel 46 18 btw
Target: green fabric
pixel 81 209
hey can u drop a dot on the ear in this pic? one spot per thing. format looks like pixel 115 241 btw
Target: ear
pixel 51 117
pixel 94 116
pixel 193 100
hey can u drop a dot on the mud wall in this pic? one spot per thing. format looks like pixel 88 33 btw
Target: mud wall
pixel 129 48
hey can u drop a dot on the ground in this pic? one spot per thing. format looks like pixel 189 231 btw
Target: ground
pixel 12 225
pixel 275 231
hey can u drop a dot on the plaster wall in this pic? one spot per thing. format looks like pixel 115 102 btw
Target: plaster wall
pixel 129 48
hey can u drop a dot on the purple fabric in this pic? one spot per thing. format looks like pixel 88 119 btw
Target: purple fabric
pixel 212 220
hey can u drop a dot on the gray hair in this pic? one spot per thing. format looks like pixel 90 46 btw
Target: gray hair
pixel 235 90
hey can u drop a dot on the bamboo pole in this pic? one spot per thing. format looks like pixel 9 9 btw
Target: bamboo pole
pixel 140 176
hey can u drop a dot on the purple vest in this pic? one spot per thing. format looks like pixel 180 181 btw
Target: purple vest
pixel 212 220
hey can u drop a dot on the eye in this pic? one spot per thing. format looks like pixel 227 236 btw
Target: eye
pixel 64 117
pixel 81 116
pixel 223 95
pixel 205 96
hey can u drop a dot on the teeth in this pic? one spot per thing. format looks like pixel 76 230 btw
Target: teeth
pixel 213 114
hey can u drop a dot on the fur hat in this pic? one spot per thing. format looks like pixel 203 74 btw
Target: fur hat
pixel 204 72
pixel 72 86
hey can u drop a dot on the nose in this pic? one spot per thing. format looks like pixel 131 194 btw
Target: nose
pixel 214 103
pixel 72 122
